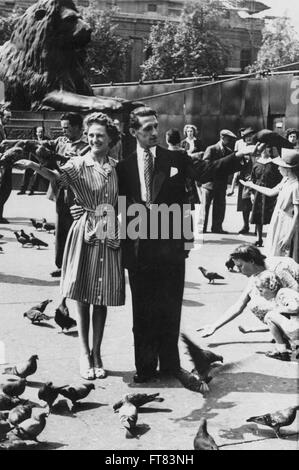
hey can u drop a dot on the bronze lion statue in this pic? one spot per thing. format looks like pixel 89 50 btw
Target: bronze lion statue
pixel 46 52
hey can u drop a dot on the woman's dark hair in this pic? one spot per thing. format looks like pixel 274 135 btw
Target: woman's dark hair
pixel 104 120
pixel 173 136
pixel 247 253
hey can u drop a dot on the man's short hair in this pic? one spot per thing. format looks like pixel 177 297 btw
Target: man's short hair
pixel 142 111
pixel 173 136
pixel 75 119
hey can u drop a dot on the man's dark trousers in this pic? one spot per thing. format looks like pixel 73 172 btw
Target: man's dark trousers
pixel 5 188
pixel 157 293
pixel 64 222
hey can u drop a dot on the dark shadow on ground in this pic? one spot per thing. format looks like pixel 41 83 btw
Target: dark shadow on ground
pixel 192 285
pixel 260 431
pixel 34 384
pixel 44 325
pixel 223 241
pixel 127 376
pixel 192 303
pixel 73 334
pixel 215 345
pixel 49 446
pixel 247 382
pixel 142 409
pixel 85 406
pixel 11 279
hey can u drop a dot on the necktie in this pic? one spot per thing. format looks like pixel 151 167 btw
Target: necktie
pixel 148 175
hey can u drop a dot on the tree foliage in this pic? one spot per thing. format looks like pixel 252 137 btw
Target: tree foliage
pixel 7 24
pixel 280 45
pixel 108 52
pixel 188 47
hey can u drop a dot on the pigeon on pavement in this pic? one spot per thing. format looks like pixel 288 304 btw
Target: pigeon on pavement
pixel 203 440
pixel 49 227
pixel 37 242
pixel 128 417
pixel 49 393
pixel 13 386
pixel 139 399
pixel 31 427
pixel 276 420
pixel 7 403
pixel 210 275
pixel 36 225
pixel 23 369
pixel 202 359
pixel 19 413
pixel 75 393
pixel 62 316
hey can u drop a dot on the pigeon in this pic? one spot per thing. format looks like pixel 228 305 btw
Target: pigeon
pixel 11 156
pixel 139 399
pixel 13 442
pixel 5 427
pixel 13 387
pixel 230 264
pixel 1 249
pixel 276 420
pixel 42 305
pixel 31 427
pixel 75 393
pixel 48 226
pixel 37 242
pixel 1 236
pixel 23 369
pixel 36 225
pixel 25 236
pixel 35 316
pixel 22 240
pixel 190 381
pixel 272 138
pixel 203 440
pixel 19 413
pixel 49 393
pixel 62 317
pixel 128 417
pixel 202 359
pixel 210 275
pixel 7 403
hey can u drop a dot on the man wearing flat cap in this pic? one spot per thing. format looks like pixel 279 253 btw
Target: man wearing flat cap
pixel 216 191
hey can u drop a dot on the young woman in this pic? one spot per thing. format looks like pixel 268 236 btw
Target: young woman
pixel 92 273
pixel 283 234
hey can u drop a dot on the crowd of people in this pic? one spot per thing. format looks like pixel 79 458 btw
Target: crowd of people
pixel 91 176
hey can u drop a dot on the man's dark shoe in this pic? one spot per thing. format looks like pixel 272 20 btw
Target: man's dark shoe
pixel 56 273
pixel 244 230
pixel 22 191
pixel 3 221
pixel 31 193
pixel 139 379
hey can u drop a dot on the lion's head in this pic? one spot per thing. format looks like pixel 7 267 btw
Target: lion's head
pixel 46 52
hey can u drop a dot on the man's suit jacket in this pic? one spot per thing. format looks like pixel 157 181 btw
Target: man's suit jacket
pixel 213 153
pixel 167 188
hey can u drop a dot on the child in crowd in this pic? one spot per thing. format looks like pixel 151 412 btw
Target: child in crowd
pixel 281 313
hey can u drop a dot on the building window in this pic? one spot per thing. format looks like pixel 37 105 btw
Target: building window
pixel 152 7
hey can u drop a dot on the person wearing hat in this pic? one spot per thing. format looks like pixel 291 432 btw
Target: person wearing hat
pixel 292 136
pixel 216 191
pixel 283 234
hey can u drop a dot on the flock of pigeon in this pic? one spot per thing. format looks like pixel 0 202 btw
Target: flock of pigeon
pixel 30 239
pixel 22 421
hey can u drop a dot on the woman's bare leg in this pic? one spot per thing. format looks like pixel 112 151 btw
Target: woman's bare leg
pixel 98 324
pixel 83 321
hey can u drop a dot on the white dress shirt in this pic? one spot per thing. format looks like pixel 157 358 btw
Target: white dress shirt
pixel 140 161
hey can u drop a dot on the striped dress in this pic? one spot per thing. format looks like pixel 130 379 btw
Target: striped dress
pixel 92 270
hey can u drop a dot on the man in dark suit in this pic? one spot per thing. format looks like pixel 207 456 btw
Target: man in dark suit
pixel 153 177
pixel 216 190
pixel 5 172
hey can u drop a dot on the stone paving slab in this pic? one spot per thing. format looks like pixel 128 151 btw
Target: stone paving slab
pixel 247 384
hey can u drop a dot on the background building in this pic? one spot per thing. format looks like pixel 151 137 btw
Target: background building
pixel 239 28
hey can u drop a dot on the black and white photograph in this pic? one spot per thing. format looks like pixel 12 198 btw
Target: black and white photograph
pixel 149 227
